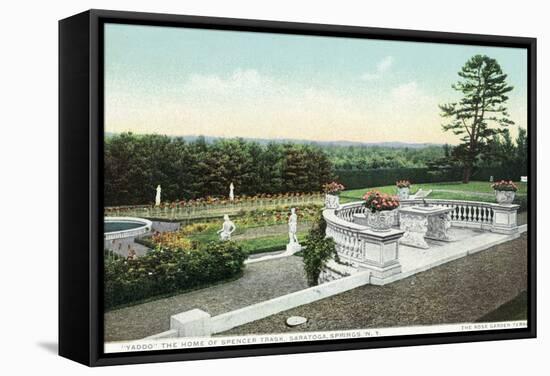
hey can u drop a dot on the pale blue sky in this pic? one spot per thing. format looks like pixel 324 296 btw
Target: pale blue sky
pixel 225 83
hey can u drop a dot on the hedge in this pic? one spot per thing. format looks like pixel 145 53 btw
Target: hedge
pixel 165 271
pixel 355 179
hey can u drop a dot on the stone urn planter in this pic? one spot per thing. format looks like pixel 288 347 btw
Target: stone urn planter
pixel 505 197
pixel 332 201
pixel 403 193
pixel 381 220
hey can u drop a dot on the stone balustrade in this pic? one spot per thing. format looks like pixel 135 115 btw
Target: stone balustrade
pixel 473 214
pixel 360 247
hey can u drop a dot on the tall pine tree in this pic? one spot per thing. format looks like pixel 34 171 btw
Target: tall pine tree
pixel 481 112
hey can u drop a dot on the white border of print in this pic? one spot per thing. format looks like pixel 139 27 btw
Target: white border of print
pixel 204 342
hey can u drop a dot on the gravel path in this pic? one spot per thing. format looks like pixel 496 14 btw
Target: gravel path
pixel 460 291
pixel 261 281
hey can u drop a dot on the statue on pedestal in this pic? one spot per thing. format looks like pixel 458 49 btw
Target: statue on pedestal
pixel 157 197
pixel 228 228
pixel 292 226
pixel 293 245
pixel 231 194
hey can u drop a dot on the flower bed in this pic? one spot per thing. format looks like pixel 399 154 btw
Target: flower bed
pixel 213 201
pixel 164 271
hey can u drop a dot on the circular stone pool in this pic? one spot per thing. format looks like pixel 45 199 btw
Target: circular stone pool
pixel 125 227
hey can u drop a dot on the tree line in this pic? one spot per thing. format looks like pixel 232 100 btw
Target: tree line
pixel 375 157
pixel 500 152
pixel 135 164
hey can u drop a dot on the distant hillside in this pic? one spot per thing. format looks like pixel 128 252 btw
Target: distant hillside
pixel 341 143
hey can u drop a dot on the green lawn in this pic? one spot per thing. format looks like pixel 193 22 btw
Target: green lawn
pixel 259 244
pixel 473 186
pixel 465 194
pixel 268 243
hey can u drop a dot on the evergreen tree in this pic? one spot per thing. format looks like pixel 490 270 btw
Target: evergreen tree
pixel 481 113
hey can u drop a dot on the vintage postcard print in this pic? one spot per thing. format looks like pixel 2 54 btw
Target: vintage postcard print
pixel 269 187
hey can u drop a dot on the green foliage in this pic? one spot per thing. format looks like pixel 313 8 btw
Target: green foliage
pixel 383 177
pixel 163 271
pixel 449 191
pixel 136 164
pixel 502 151
pixel 480 114
pixel 318 251
pixel 380 157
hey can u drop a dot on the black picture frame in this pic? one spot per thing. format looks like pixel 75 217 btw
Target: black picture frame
pixel 80 182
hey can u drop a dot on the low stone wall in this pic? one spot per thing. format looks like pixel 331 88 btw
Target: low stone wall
pixel 329 275
pixel 197 323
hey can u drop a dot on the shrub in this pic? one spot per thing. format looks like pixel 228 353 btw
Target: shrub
pixel 318 251
pixel 164 271
pixel 523 203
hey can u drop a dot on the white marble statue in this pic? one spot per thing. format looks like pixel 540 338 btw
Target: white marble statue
pixel 292 226
pixel 228 228
pixel 157 197
pixel 293 246
pixel 231 194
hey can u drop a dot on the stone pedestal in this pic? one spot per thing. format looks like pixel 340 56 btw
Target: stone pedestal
pixel 415 228
pixel 505 219
pixel 420 222
pixel 193 323
pixel 292 248
pixel 380 252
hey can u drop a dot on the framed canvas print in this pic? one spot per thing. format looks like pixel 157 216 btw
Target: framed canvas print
pixel 235 187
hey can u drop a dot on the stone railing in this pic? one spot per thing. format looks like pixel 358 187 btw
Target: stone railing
pixel 464 213
pixel 360 247
pixel 474 214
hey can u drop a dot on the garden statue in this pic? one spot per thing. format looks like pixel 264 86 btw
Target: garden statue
pixel 231 194
pixel 292 226
pixel 293 245
pixel 132 255
pixel 228 228
pixel 157 198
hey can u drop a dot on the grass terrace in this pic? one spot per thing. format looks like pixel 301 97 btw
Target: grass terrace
pixel 473 191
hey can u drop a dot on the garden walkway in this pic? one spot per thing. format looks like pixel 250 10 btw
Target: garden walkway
pixel 261 281
pixel 460 291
